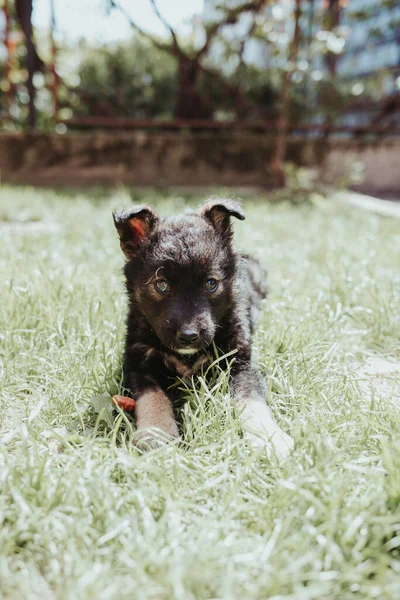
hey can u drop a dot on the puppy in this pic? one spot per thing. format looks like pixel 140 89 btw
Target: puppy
pixel 187 288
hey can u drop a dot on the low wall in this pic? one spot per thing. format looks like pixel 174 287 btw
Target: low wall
pixel 185 158
pixel 380 160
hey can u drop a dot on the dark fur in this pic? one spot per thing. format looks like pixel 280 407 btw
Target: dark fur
pixel 186 250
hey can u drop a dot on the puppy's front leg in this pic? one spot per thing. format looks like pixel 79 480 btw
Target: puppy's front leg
pixel 259 427
pixel 154 418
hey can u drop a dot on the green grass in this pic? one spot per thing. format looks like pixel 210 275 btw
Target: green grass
pixel 84 515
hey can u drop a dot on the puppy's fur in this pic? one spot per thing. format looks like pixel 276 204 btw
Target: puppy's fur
pixel 187 288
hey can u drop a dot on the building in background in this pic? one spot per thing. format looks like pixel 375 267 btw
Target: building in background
pixel 371 61
pixel 373 43
pixel 366 61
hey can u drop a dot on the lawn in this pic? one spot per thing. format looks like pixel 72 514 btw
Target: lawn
pixel 84 515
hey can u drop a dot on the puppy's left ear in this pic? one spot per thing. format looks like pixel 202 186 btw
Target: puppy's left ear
pixel 134 226
pixel 219 212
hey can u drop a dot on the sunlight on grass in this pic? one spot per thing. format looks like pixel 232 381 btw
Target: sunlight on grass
pixel 85 515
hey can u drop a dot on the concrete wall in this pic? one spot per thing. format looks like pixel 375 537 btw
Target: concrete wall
pixel 185 159
pixel 380 160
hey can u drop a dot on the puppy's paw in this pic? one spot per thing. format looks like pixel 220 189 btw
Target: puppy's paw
pixel 277 444
pixel 149 439
pixel 283 444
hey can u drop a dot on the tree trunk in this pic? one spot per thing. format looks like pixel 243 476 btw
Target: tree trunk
pixel 23 10
pixel 189 103
pixel 277 166
pixel 31 87
pixel 332 21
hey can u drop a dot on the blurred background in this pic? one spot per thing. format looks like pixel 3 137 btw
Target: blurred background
pixel 200 93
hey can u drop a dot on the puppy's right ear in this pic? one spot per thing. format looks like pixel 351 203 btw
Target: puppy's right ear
pixel 134 226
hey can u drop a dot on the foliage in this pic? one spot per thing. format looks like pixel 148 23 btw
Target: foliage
pixel 136 79
pixel 190 102
pixel 133 79
pixel 253 60
pixel 302 186
pixel 14 96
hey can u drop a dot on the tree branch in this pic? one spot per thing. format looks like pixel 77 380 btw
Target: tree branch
pixel 244 40
pixel 139 30
pixel 231 18
pixel 167 25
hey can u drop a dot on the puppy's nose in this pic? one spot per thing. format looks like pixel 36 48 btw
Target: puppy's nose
pixel 187 336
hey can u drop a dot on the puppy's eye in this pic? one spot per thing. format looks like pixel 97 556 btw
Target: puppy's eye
pixel 211 285
pixel 161 286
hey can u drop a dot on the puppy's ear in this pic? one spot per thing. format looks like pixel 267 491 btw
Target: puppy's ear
pixel 134 226
pixel 219 212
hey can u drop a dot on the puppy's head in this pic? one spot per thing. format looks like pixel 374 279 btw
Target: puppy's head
pixel 180 270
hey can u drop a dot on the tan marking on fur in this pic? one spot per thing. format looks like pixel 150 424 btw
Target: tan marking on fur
pixel 200 362
pixel 182 369
pixel 154 409
pixel 149 353
pixel 172 362
pixel 151 290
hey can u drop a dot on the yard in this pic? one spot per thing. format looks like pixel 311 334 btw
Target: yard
pixel 84 515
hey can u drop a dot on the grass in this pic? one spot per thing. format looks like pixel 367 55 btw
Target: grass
pixel 83 515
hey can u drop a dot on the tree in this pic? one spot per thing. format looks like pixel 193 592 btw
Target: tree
pixel 136 79
pixel 189 102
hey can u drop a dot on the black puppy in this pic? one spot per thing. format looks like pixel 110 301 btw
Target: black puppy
pixel 188 288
